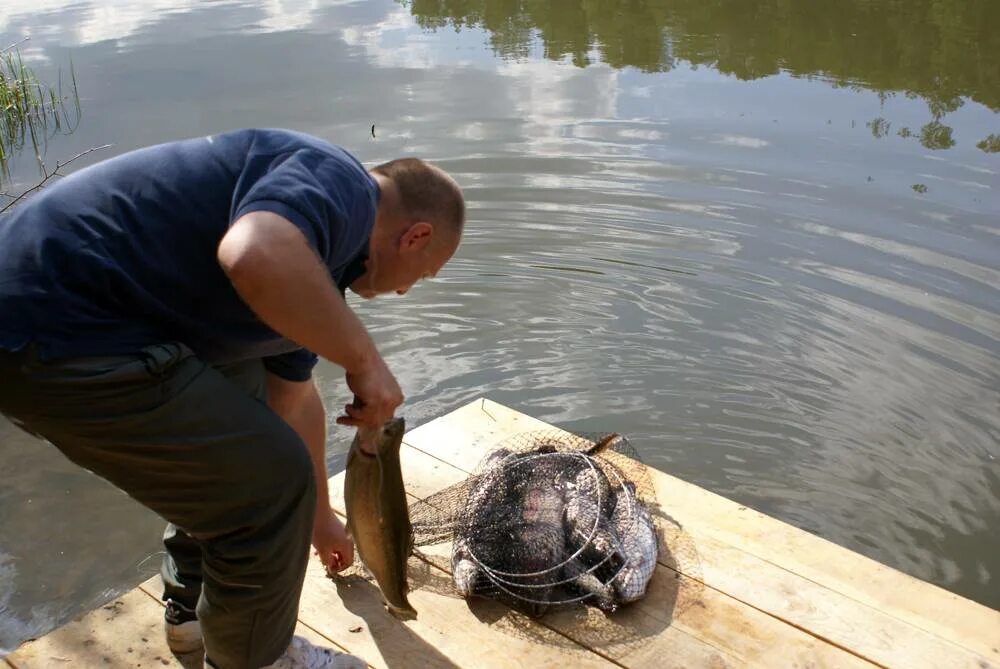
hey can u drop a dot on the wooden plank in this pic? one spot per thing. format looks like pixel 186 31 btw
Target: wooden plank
pixel 679 619
pixel 153 588
pixel 646 632
pixel 843 621
pixel 444 634
pixel 126 632
pixel 487 634
pixel 915 602
pixel 462 437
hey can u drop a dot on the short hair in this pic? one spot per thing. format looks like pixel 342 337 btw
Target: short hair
pixel 427 192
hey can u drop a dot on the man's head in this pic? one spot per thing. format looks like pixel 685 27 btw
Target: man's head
pixel 418 226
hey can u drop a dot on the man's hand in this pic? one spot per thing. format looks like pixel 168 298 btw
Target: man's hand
pixel 376 396
pixel 332 542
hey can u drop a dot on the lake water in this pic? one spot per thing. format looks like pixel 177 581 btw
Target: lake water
pixel 761 239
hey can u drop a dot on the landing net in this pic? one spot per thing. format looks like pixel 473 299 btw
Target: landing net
pixel 548 519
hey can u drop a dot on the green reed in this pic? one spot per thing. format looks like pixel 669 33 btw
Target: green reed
pixel 31 111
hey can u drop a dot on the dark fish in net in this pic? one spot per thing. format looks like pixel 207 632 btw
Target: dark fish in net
pixel 549 519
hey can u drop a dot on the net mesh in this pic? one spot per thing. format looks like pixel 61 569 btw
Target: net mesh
pixel 548 519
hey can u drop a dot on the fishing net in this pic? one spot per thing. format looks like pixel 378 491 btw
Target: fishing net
pixel 548 519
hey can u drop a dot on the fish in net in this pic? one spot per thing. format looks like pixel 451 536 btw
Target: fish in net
pixel 548 519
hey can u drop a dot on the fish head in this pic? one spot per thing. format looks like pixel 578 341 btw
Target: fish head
pixel 393 429
pixel 388 437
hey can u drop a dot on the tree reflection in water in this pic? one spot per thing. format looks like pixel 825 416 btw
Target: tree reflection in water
pixel 941 51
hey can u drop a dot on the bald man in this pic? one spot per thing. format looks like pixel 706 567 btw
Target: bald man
pixel 162 312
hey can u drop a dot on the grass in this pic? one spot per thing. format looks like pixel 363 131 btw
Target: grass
pixel 31 111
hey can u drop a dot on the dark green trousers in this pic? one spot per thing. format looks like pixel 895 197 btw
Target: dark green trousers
pixel 199 446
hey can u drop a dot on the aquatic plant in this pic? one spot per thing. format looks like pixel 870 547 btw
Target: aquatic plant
pixel 30 111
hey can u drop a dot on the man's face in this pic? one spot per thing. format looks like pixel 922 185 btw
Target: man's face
pixel 395 266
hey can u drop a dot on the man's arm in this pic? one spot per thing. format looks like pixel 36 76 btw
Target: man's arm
pixel 299 404
pixel 280 277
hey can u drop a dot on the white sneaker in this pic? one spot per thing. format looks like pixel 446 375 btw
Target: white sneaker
pixel 301 654
pixel 182 628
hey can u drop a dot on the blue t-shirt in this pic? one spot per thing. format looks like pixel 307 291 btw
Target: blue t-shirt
pixel 122 254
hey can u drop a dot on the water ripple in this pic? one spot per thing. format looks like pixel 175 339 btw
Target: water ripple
pixel 746 334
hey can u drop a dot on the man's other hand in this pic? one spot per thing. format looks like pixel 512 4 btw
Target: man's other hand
pixel 332 542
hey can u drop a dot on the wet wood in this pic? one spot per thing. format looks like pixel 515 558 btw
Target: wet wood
pixel 733 588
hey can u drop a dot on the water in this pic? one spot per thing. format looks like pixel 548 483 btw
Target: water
pixel 762 243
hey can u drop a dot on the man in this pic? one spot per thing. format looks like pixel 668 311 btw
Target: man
pixel 160 315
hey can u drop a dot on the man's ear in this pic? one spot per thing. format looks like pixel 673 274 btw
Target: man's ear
pixel 416 237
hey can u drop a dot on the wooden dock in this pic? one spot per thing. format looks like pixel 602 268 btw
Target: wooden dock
pixel 733 588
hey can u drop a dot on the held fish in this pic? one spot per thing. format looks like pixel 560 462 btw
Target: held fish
pixel 377 513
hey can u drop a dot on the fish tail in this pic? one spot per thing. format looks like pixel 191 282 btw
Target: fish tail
pixel 405 612
pixel 603 444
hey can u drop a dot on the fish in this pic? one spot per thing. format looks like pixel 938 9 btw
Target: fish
pixel 590 499
pixel 465 569
pixel 588 502
pixel 599 551
pixel 640 545
pixel 586 581
pixel 378 517
pixel 540 547
pixel 513 515
pixel 538 509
